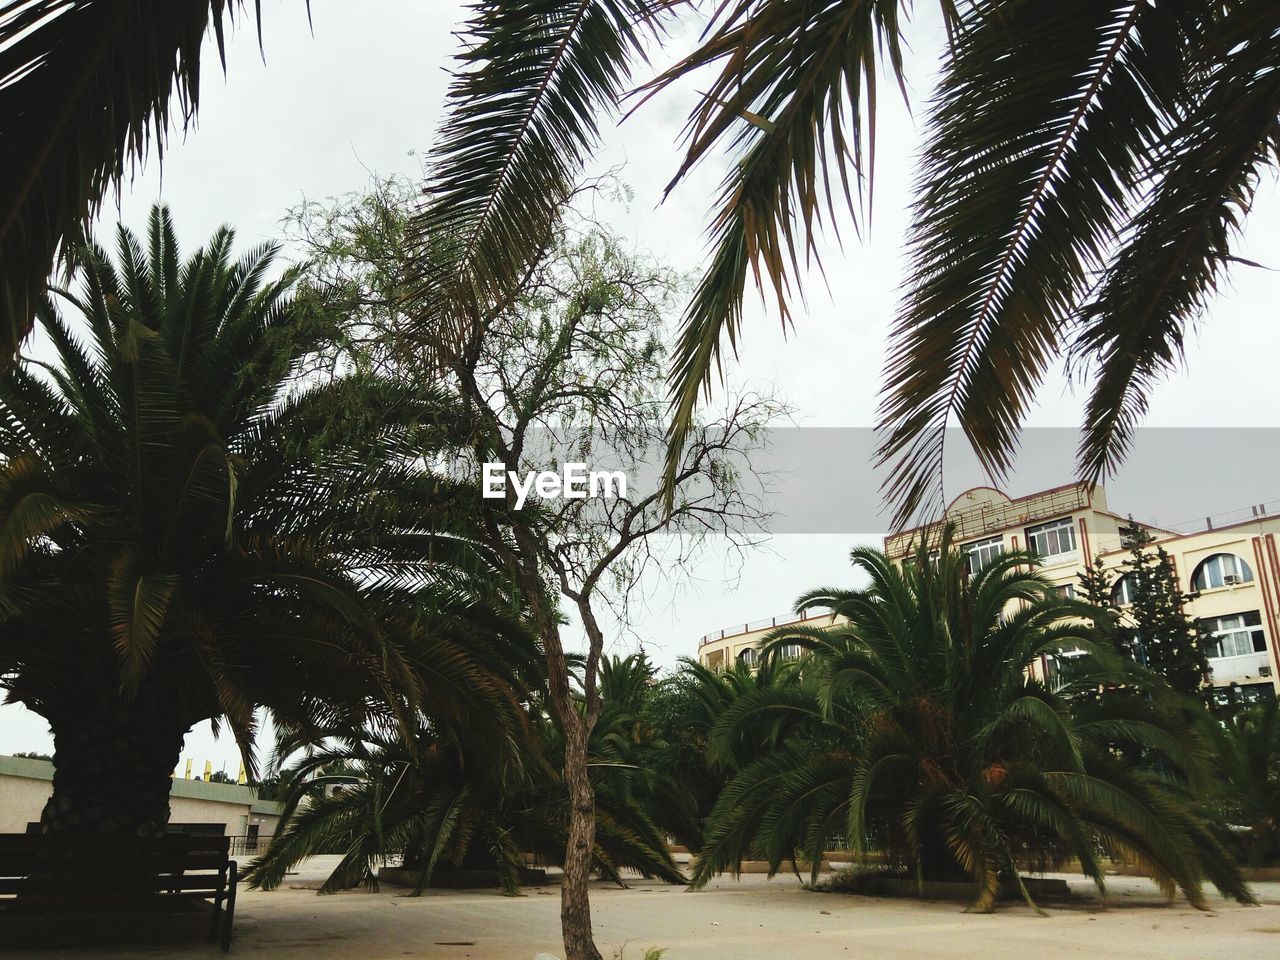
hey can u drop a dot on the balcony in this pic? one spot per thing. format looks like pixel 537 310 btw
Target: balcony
pixel 1248 668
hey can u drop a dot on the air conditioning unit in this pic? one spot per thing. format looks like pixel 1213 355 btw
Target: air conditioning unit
pixel 1231 579
pixel 1264 671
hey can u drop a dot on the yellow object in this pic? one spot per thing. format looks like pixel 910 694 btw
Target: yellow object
pixel 208 770
pixel 187 775
pixel 242 777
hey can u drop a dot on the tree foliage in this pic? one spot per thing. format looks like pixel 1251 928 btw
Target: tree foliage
pixel 1248 756
pixel 86 88
pixel 1087 170
pixel 186 533
pixel 919 732
pixel 1152 627
pixel 447 799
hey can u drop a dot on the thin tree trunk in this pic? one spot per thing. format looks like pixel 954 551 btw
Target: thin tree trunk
pixel 575 900
pixel 112 764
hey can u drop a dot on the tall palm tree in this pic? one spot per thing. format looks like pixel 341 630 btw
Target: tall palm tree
pixel 925 737
pixel 189 533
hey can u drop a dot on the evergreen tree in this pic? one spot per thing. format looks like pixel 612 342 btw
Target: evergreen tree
pixel 1159 634
pixel 1096 587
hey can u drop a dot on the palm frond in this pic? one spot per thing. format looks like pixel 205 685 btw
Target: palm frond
pixel 1177 251
pixel 86 87
pixel 795 100
pixel 523 118
pixel 1038 134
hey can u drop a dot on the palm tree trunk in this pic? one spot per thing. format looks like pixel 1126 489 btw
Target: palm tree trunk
pixel 575 901
pixel 112 765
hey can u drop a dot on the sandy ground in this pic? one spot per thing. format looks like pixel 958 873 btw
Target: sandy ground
pixel 751 918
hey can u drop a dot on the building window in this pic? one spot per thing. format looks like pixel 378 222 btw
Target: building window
pixel 1221 570
pixel 1066 591
pixel 749 657
pixel 978 555
pixel 789 651
pixel 1123 592
pixel 1054 539
pixel 1235 636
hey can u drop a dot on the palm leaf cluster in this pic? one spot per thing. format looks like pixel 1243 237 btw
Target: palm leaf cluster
pixel 524 110
pixel 448 799
pixel 1248 752
pixel 917 733
pixel 188 531
pixel 794 103
pixel 1087 169
pixel 86 87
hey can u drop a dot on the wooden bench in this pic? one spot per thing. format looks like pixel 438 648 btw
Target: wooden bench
pixel 79 877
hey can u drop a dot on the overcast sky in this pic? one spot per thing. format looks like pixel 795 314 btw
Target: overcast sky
pixel 363 93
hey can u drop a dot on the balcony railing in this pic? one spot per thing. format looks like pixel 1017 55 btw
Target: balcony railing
pixel 988 518
pixel 767 624
pixel 1258 511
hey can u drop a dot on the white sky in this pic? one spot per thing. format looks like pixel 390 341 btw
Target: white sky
pixel 365 91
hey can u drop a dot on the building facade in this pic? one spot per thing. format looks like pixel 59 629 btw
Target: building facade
pixel 741 643
pixel 194 805
pixel 1231 569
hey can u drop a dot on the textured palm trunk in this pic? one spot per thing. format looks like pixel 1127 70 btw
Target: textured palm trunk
pixel 112 765
pixel 575 900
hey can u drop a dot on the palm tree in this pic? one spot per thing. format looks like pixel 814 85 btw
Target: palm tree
pixel 922 735
pixel 86 86
pixel 787 764
pixel 1249 755
pixel 370 792
pixel 444 799
pixel 188 533
pixel 629 751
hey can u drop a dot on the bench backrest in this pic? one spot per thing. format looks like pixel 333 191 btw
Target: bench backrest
pixel 111 869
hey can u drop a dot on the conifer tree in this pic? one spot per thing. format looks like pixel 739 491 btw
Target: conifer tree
pixel 1160 634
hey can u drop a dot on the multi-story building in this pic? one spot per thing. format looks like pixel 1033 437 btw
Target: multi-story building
pixel 1230 566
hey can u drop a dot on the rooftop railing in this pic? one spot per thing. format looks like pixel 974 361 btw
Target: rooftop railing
pixel 1229 518
pixel 766 624
pixel 975 522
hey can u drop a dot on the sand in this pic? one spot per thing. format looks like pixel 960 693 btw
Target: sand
pixel 751 918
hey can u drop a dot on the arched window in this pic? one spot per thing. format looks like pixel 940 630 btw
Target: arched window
pixel 749 657
pixel 1221 570
pixel 1122 593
